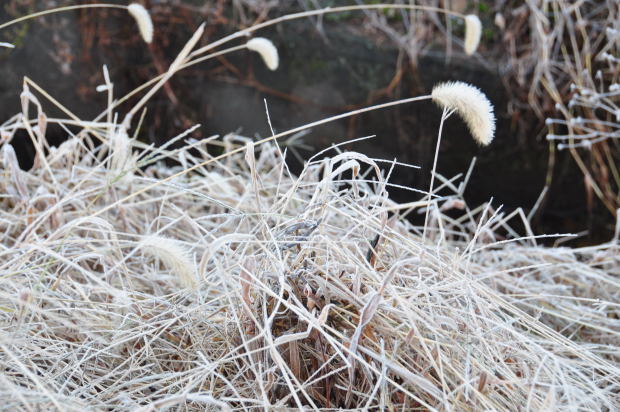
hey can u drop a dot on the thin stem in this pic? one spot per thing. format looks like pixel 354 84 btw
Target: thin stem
pixel 174 67
pixel 265 140
pixel 161 76
pixel 61 9
pixel 446 113
pixel 326 10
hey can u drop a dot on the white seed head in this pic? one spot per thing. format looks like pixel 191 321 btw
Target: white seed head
pixel 471 104
pixel 174 256
pixel 120 148
pixel 7 45
pixel 143 19
pixel 267 51
pixel 473 32
pixel 500 21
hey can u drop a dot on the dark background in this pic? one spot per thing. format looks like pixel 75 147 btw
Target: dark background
pixel 327 68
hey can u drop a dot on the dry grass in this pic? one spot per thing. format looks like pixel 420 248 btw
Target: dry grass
pixel 581 75
pixel 227 283
pixel 309 292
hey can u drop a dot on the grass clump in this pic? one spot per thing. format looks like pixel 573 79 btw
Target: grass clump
pixel 313 292
pixel 228 283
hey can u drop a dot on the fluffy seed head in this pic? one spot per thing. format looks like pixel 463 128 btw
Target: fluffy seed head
pixel 173 255
pixel 120 148
pixel 267 51
pixel 143 19
pixel 471 104
pixel 473 32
